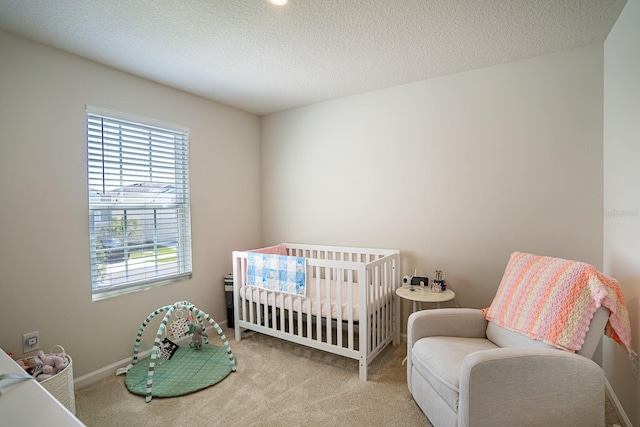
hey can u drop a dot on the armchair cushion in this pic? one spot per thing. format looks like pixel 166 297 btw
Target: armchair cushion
pixel 439 359
pixel 505 338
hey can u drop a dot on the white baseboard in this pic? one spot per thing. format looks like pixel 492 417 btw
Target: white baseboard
pixel 107 371
pixel 626 422
pixel 102 373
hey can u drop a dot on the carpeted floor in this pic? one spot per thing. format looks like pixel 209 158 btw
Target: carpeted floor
pixel 277 384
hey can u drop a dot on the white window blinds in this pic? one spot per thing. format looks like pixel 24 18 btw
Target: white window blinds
pixel 139 219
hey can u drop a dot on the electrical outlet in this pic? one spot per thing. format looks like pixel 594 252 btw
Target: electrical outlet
pixel 31 341
pixel 634 363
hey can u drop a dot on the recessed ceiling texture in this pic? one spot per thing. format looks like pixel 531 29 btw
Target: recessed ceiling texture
pixel 263 58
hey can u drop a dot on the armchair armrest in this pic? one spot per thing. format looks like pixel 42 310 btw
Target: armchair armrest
pixel 451 322
pixel 530 386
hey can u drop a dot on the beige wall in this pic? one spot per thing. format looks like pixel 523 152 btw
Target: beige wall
pixel 455 172
pixel 44 240
pixel 622 192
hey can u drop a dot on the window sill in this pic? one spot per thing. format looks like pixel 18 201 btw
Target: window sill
pixel 99 295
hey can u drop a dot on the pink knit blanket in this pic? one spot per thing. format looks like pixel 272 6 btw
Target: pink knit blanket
pixel 553 300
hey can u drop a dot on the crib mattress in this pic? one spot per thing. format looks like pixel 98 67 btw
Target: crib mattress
pixel 301 304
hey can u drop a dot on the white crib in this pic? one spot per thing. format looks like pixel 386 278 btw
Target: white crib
pixel 331 316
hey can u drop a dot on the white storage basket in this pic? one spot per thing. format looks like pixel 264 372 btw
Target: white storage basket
pixel 61 384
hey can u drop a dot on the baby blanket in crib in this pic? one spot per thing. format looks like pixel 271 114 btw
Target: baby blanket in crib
pixel 554 299
pixel 277 272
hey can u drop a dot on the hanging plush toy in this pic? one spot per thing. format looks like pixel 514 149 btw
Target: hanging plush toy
pixel 196 338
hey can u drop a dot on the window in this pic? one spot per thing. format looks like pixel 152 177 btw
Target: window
pixel 139 220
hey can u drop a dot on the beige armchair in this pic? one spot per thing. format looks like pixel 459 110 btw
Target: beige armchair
pixel 465 370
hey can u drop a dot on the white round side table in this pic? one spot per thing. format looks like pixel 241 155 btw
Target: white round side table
pixel 419 295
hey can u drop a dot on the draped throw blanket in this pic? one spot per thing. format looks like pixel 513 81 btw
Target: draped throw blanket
pixel 553 300
pixel 277 272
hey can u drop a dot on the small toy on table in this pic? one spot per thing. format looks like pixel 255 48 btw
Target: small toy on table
pixel 439 284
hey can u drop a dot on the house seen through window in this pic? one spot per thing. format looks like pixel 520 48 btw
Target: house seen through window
pixel 139 219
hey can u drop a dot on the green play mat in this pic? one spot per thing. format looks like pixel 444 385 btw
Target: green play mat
pixel 189 370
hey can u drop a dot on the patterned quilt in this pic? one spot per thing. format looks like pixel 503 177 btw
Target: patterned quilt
pixel 277 272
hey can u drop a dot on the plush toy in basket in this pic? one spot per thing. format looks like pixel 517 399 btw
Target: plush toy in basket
pixel 48 365
pixel 44 366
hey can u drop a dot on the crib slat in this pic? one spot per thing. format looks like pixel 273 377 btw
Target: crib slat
pixel 263 308
pixel 279 325
pixel 300 315
pixel 389 300
pixel 309 320
pixel 318 305
pixel 250 307
pixel 339 288
pixel 254 306
pixel 365 327
pixel 377 306
pixel 385 304
pixel 327 281
pixel 350 342
pixel 290 312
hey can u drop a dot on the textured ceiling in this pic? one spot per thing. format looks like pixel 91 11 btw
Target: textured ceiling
pixel 262 58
